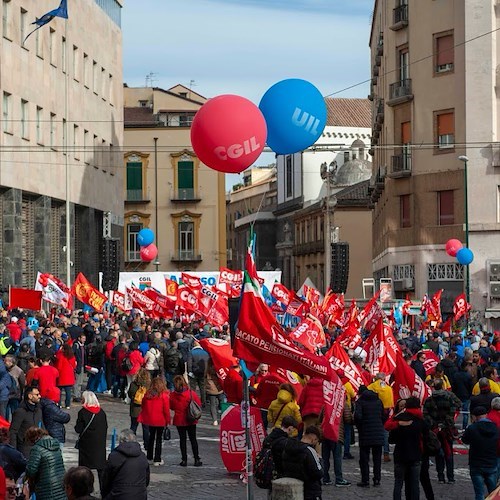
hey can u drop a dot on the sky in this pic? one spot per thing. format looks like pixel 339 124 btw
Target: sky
pixel 243 47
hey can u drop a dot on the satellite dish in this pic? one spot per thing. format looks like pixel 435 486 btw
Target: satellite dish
pixel 324 170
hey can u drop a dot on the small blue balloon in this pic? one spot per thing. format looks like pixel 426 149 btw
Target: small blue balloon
pixel 295 113
pixel 465 256
pixel 145 237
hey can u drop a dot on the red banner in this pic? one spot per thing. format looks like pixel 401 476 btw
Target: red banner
pixel 460 307
pixel 282 294
pixel 164 307
pixel 192 282
pixel 341 361
pixel 407 383
pixel 333 401
pixel 381 348
pixel 221 354
pixel 371 314
pixel 350 338
pixel 333 308
pixel 309 333
pixel 434 308
pixel 140 300
pixel 232 280
pixel 25 299
pixel 121 301
pixel 187 300
pixel 85 292
pixel 213 305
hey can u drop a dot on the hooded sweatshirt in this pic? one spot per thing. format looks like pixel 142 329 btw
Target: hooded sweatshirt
pixel 482 437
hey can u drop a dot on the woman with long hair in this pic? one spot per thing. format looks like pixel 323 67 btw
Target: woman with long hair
pixel 155 413
pixel 92 429
pixel 179 402
pixel 136 393
pixel 284 404
pixel 66 365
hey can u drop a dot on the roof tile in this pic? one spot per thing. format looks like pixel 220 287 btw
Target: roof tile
pixel 348 112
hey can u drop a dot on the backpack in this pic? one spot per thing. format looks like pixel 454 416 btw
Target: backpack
pixel 127 364
pixel 264 471
pixel 139 395
pixel 431 442
pixel 193 410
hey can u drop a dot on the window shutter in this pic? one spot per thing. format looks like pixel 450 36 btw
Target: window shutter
pixel 134 176
pixel 446 124
pixel 406 132
pixel 446 208
pixel 185 173
pixel 445 51
pixel 405 210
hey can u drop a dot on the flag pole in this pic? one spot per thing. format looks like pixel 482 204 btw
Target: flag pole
pixel 66 161
pixel 245 414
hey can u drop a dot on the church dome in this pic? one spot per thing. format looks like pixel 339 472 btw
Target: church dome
pixel 352 172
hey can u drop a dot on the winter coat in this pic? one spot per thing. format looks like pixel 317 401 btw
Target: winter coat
pixel 494 416
pixel 213 385
pixel 233 386
pixel 92 451
pixel 66 368
pixel 301 461
pixel 199 361
pixel 137 361
pixel 369 417
pixel 54 419
pixel 484 399
pixel 419 368
pixel 384 392
pixel 290 407
pixel 152 359
pixel 408 438
pixel 5 382
pixel 311 398
pixel 173 360
pixel 46 467
pixel 494 386
pixel 482 436
pixel 276 441
pixel 12 461
pixel 80 356
pixel 462 385
pixel 440 408
pixel 179 402
pixel 155 410
pixel 126 475
pixel 267 390
pixel 20 379
pixel 450 368
pixel 47 379
pixel 121 353
pixel 26 416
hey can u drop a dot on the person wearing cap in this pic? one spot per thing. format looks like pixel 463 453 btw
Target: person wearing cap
pixel 486 395
pixel 482 437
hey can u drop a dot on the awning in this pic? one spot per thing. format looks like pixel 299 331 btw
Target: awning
pixel 492 313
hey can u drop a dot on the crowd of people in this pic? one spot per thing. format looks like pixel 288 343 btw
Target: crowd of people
pixel 159 368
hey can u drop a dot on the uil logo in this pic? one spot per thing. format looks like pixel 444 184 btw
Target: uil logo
pixel 304 120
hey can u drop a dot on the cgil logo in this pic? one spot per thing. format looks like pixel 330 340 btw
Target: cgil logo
pixel 230 276
pixel 237 150
pixel 309 122
pixel 188 297
pixel 280 294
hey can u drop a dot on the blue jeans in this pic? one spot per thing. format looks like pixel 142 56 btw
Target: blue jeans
pixel 169 378
pixel 67 392
pixel 481 476
pixel 465 417
pixel 327 448
pixel 11 408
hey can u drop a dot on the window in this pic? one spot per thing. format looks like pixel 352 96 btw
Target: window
pixel 86 70
pixel 7 112
pixel 64 135
pixel 39 125
pixel 346 156
pixel 63 54
pixel 52 46
pixel 95 76
pixel 24 119
pixel 133 247
pixel 39 43
pixel 52 130
pixel 103 83
pixel 76 68
pixel 186 240
pixel 443 53
pixel 6 18
pixel 76 131
pixel 110 89
pixel 445 129
pixel 86 154
pixel 95 151
pixel 288 176
pixel 185 180
pixel 404 210
pixel 404 64
pixel 446 208
pixel 23 25
pixel 134 180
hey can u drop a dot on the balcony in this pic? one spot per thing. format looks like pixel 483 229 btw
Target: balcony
pixel 308 248
pixel 375 70
pixel 380 44
pixel 377 184
pixel 400 17
pixel 137 196
pixel 185 195
pixel 379 115
pixel 186 256
pixel 400 92
pixel 401 165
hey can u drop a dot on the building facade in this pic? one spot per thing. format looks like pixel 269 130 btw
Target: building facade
pixel 166 187
pixel 434 100
pixel 61 137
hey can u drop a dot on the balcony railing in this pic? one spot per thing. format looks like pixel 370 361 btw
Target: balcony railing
pixel 317 246
pixel 185 195
pixel 186 256
pixel 401 165
pixel 400 17
pixel 136 195
pixel 400 91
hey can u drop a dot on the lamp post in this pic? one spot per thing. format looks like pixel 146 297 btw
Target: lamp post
pixel 465 159
pixel 327 174
pixel 156 262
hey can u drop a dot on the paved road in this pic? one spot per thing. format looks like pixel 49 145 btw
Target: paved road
pixel 213 482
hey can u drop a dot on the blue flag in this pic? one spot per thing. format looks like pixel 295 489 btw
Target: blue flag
pixel 61 11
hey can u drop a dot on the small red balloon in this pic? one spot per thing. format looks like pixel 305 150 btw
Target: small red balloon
pixel 149 253
pixel 228 133
pixel 453 246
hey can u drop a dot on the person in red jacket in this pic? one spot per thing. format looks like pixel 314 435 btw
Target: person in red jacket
pixel 137 362
pixel 14 329
pixel 311 401
pixel 66 366
pixel 47 376
pixel 233 385
pixel 179 402
pixel 155 413
pixel 267 392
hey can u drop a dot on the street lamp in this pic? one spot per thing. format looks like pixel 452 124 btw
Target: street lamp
pixel 465 159
pixel 327 173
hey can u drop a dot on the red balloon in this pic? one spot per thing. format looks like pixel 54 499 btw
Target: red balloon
pixel 453 246
pixel 228 133
pixel 149 253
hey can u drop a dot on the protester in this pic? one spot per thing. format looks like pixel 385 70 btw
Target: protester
pixel 126 474
pixel 66 365
pixel 45 467
pixel 12 461
pixel 311 401
pixel 53 417
pixel 81 359
pixel 214 392
pixel 485 396
pixel 284 404
pixel 180 399
pixel 5 388
pixel 136 362
pixel 46 376
pixel 418 365
pixel 136 392
pixel 155 413
pixel 197 370
pixel 462 387
pixel 92 429
pixel 18 383
pixel 153 361
pixel 79 483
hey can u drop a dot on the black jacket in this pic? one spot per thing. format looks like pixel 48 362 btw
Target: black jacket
pixel 369 417
pixel 199 360
pixel 483 399
pixel 462 385
pixel 80 356
pixel 126 475
pixel 26 416
pixel 54 419
pixel 92 451
pixel 418 366
pixel 408 440
pixel 12 461
pixel 301 461
pixel 482 437
pixel 276 440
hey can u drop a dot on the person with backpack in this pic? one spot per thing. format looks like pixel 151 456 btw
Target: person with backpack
pixel 131 364
pixel 152 360
pixel 118 354
pixel 18 383
pixel 136 392
pixel 173 363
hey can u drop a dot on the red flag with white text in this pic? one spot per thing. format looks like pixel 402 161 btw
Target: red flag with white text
pixel 340 360
pixel 309 333
pixel 282 294
pixel 85 292
pixel 187 300
pixel 231 281
pixel 407 383
pixel 121 301
pixel 192 282
pixel 139 300
pixel 333 404
pixel 221 354
pixel 350 338
pixel 381 348
pixel 164 306
pixel 434 308
pixel 460 307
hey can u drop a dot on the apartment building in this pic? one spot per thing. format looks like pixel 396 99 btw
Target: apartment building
pixel 434 94
pixel 61 111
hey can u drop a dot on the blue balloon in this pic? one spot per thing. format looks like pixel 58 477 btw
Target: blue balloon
pixel 465 256
pixel 145 237
pixel 295 113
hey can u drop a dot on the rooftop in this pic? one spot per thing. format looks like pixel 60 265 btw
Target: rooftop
pixel 347 112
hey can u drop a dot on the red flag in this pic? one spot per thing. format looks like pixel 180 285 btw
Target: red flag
pixel 297 307
pixel 232 281
pixel 312 295
pixel 431 360
pixel 371 314
pixel 187 300
pixel 85 292
pixel 460 307
pixel 407 383
pixel 350 338
pixel 171 287
pixel 341 361
pixel 406 306
pixel 221 354
pixel 368 307
pixel 309 333
pixel 25 299
pixel 351 318
pixel 121 301
pixel 164 307
pixel 333 401
pixel 282 294
pixel 260 338
pixel 213 305
pixel 333 308
pixel 381 348
pixel 139 300
pixel 192 282
pixel 434 308
pixel 446 326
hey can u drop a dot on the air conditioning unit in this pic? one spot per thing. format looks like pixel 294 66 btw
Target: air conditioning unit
pixel 442 68
pixel 494 270
pixel 495 289
pixel 408 284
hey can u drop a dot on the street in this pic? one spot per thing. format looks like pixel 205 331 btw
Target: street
pixel 212 481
